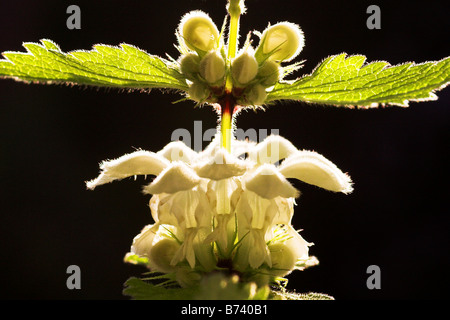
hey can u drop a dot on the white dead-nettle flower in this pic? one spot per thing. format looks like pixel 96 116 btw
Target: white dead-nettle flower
pixel 214 205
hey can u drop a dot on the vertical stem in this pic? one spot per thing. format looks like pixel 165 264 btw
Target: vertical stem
pixel 227 106
pixel 235 8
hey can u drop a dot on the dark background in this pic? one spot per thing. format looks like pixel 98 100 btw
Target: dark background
pixel 53 137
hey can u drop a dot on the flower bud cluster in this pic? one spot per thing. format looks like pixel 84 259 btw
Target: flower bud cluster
pixel 252 73
pixel 214 208
pixel 202 62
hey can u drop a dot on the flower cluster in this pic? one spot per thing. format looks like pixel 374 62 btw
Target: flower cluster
pixel 215 209
pixel 230 206
pixel 204 62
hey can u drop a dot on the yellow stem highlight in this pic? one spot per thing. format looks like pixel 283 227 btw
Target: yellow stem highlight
pixel 234 10
pixel 233 34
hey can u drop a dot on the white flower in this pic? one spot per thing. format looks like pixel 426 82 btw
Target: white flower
pixel 286 249
pixel 213 205
pixel 154 243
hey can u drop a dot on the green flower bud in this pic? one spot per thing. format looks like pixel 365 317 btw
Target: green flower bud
pixel 212 67
pixel 199 91
pixel 269 73
pixel 244 68
pixel 283 259
pixel 162 253
pixel 189 65
pixel 256 95
pixel 198 31
pixel 282 41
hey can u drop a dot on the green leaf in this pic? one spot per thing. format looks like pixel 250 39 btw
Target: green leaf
pixel 212 287
pixel 135 259
pixel 141 290
pixel 106 66
pixel 218 286
pixel 345 81
pixel 215 286
pixel 287 295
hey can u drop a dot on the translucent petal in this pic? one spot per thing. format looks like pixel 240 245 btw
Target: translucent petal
pixel 238 147
pixel 178 151
pixel 222 194
pixel 222 166
pixel 185 209
pixel 177 177
pixel 143 242
pixel 297 244
pixel 203 251
pixel 260 252
pixel 137 163
pixel 186 250
pixel 315 169
pixel 168 213
pixel 271 150
pixel 268 183
pixel 284 212
pixel 241 147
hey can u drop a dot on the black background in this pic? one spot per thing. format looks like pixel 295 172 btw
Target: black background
pixel 53 137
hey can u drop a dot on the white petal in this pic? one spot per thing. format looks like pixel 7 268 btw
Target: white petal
pixel 222 166
pixel 271 150
pixel 238 147
pixel 176 177
pixel 136 163
pixel 210 148
pixel 185 209
pixel 223 231
pixel 164 210
pixel 268 183
pixel 221 194
pixel 178 151
pixel 260 252
pixel 143 242
pixel 297 244
pixel 186 250
pixel 315 169
pixel 285 210
pixel 203 253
